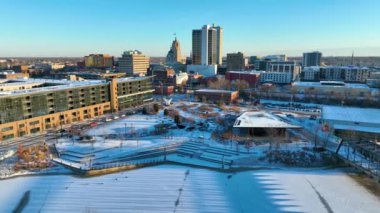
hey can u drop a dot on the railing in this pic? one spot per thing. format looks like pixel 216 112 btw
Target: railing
pixel 363 159
pixel 124 164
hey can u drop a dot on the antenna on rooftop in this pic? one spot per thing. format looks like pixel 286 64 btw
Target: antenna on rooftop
pixel 352 58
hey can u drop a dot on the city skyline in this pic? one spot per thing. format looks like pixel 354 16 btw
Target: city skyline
pixel 261 27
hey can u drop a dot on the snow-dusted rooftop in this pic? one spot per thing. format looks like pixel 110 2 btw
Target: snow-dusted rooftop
pixel 6 72
pixel 251 72
pixel 57 84
pixel 351 114
pixel 215 91
pixel 357 128
pixel 324 84
pixel 137 78
pixel 341 67
pixel 261 119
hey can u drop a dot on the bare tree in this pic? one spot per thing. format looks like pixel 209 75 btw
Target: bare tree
pixel 204 99
pixel 274 140
pixel 240 85
pixel 219 83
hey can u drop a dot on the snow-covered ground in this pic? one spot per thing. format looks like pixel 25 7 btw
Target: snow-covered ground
pixel 182 189
pixel 100 147
pixel 170 188
pixel 276 102
pixel 199 147
pixel 110 143
pixel 127 124
pixel 6 154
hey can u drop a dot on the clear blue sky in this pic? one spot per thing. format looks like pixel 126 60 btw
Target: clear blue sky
pixel 80 27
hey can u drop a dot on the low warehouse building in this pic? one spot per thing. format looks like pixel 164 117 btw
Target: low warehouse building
pixel 351 120
pixel 331 88
pixel 260 123
pixel 216 96
pixel 252 77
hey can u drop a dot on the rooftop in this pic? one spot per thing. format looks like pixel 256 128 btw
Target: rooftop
pixel 351 114
pixel 215 91
pixel 55 84
pixel 132 52
pixel 339 67
pixel 137 78
pixel 7 72
pixel 252 72
pixel 261 119
pixel 313 68
pixel 357 128
pixel 333 84
pixel 8 82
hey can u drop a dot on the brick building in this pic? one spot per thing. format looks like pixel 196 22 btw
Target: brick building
pixel 252 77
pixel 216 96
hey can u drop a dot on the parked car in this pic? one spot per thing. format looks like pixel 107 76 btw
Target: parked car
pixel 313 117
pixel 289 115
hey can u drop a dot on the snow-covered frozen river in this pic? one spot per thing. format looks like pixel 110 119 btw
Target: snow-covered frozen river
pixel 171 188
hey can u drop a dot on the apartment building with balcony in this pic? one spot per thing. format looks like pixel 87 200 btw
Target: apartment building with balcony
pixel 52 103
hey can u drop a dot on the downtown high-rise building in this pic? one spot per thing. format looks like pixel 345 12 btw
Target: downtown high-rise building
pixel 174 54
pixel 98 61
pixel 311 59
pixel 133 62
pixel 236 61
pixel 207 45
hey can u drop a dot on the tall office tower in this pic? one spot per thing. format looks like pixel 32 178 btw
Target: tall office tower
pixel 236 61
pixel 207 45
pixel 174 54
pixel 108 60
pixel 133 62
pixel 197 47
pixel 312 59
pixel 219 45
pixel 98 60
